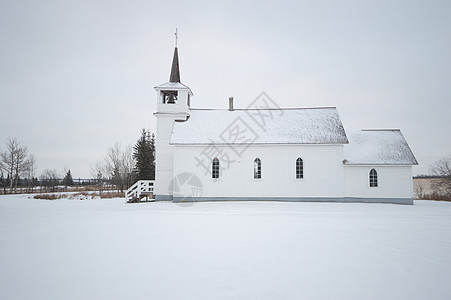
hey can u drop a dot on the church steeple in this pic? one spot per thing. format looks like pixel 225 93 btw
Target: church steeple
pixel 173 105
pixel 174 96
pixel 175 70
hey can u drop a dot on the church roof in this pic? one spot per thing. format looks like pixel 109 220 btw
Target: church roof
pixel 378 147
pixel 261 126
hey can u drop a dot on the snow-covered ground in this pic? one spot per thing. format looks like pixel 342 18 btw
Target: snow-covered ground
pixel 106 249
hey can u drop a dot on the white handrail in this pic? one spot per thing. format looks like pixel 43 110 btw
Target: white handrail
pixel 139 188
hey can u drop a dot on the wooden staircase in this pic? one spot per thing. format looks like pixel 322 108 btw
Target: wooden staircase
pixel 141 189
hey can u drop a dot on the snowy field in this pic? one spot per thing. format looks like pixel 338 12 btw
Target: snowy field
pixel 105 249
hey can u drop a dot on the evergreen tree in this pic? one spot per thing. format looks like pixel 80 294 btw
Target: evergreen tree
pixel 144 154
pixel 68 181
pixel 3 183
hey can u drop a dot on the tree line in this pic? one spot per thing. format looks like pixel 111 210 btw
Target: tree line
pixel 120 166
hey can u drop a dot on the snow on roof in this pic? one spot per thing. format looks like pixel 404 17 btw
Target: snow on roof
pixel 261 126
pixel 173 85
pixel 378 147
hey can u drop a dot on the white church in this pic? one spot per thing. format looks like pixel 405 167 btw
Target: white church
pixel 265 152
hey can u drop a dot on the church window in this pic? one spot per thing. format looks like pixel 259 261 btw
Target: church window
pixel 257 168
pixel 299 168
pixel 215 168
pixel 373 178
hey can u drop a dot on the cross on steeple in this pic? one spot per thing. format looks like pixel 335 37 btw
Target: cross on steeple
pixel 175 71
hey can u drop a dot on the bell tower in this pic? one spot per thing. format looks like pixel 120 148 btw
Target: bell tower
pixel 173 104
pixel 173 96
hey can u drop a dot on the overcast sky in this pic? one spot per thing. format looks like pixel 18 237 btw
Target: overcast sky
pixel 78 76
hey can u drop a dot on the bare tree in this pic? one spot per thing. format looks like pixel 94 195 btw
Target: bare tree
pixel 118 165
pixel 128 163
pixel 14 160
pixel 31 170
pixel 8 158
pixel 442 169
pixel 113 164
pixel 21 165
pixel 419 190
pixel 97 172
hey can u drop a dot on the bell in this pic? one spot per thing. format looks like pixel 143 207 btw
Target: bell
pixel 171 99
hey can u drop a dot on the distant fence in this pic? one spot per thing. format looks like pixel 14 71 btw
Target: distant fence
pixel 41 186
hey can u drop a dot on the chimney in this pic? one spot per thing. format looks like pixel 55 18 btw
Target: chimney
pixel 230 103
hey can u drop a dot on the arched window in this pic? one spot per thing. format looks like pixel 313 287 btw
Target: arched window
pixel 257 168
pixel 373 178
pixel 299 168
pixel 215 168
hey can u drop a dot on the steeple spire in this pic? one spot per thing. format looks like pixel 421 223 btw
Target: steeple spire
pixel 175 71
